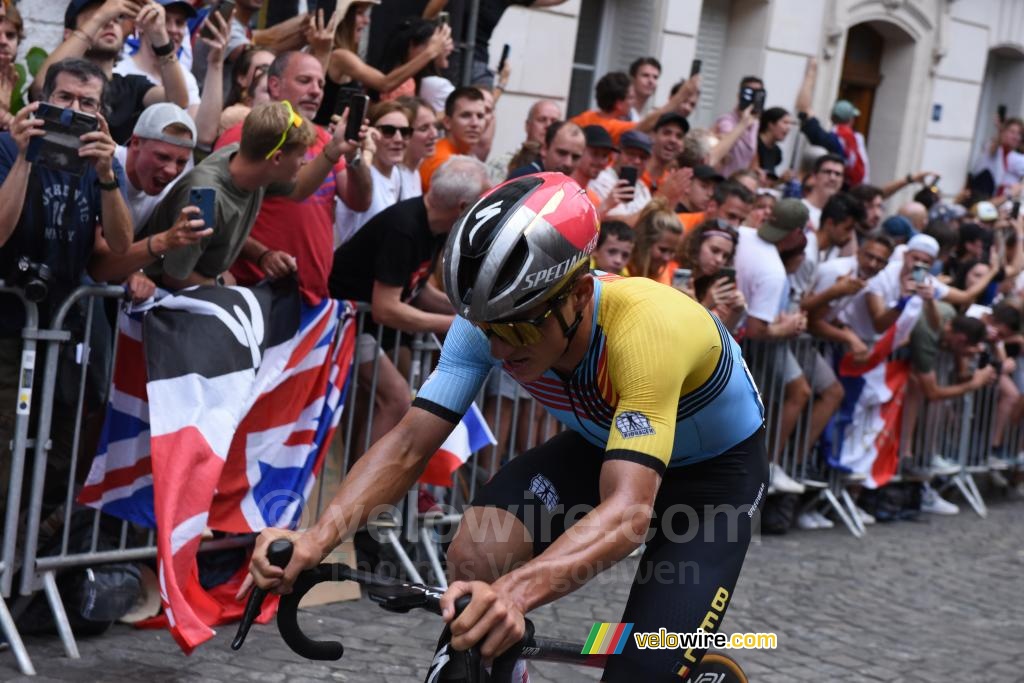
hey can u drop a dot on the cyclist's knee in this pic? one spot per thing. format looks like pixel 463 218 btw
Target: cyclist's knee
pixel 490 542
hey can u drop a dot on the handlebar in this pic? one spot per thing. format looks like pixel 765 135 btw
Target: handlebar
pixel 391 594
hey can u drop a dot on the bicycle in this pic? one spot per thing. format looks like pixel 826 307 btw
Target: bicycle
pixel 447 665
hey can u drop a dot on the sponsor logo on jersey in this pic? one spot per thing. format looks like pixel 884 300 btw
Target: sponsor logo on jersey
pixel 632 424
pixel 542 487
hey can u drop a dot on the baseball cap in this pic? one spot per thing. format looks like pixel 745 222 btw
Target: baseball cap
pixel 898 227
pixel 634 139
pixel 187 6
pixel 986 211
pixel 925 244
pixel 73 9
pixel 787 216
pixel 844 111
pixel 598 137
pixel 673 117
pixel 155 119
pixel 705 172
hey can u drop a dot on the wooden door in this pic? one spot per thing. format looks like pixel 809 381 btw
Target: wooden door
pixel 862 73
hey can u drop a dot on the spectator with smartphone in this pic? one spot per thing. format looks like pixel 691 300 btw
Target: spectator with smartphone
pixel 613 104
pixel 297 234
pixel 413 38
pixel 95 30
pixel 644 72
pixel 351 20
pixel 743 151
pixel 465 118
pixel 389 263
pixel 390 131
pixel 269 160
pixel 772 131
pixel 564 144
pixel 666 145
pixel 422 144
pixel 617 180
pixel 12 32
pixel 50 216
pixel 705 251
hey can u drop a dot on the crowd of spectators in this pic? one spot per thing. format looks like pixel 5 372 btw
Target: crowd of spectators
pixel 186 98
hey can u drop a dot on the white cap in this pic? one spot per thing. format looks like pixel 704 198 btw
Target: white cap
pixel 155 119
pixel 986 211
pixel 926 244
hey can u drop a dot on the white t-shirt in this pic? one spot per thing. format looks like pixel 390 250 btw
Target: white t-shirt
pixel 434 90
pixel 605 181
pixel 887 284
pixel 412 185
pixel 129 67
pixel 760 275
pixel 815 214
pixel 386 191
pixel 140 204
pixel 802 280
pixel 851 310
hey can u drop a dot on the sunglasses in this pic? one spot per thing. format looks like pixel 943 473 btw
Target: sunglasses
pixel 388 131
pixel 521 332
pixel 294 120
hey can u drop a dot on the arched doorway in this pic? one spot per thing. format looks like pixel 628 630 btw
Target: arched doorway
pixel 877 77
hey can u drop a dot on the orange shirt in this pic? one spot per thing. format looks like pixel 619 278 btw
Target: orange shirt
pixel 690 220
pixel 595 117
pixel 445 148
pixel 594 199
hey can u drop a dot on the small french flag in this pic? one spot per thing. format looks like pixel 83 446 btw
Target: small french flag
pixel 469 436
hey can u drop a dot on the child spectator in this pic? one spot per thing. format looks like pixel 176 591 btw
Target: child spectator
pixel 658 232
pixel 614 247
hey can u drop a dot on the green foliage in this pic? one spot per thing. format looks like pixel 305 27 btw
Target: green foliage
pixel 34 59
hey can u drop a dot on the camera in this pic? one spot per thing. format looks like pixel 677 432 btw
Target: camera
pixel 34 278
pixel 58 148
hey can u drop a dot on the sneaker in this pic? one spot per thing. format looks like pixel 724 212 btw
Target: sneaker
pixel 782 482
pixel 941 466
pixel 995 463
pixel 998 480
pixel 812 519
pixel 865 518
pixel 932 502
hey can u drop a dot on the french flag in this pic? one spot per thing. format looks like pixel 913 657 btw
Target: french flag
pixel 468 437
pixel 869 420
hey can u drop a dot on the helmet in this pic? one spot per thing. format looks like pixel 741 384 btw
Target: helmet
pixel 518 246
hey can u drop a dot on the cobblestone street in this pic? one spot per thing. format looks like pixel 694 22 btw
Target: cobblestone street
pixel 937 599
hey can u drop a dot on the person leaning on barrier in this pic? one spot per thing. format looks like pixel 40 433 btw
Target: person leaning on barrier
pixel 388 264
pixel 269 160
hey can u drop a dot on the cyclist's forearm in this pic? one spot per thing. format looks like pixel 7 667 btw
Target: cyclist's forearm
pixel 596 542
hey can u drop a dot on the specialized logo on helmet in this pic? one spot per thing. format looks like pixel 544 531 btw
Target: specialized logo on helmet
pixel 483 215
pixel 557 272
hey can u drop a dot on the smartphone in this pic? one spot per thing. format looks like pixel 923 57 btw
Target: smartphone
pixel 224 9
pixel 344 98
pixel 920 272
pixel 728 273
pixel 759 96
pixel 206 199
pixel 1015 209
pixel 746 97
pixel 356 114
pixel 984 358
pixel 1001 112
pixel 681 278
pixel 504 57
pixel 58 148
pixel 444 18
pixel 629 174
pixel 695 67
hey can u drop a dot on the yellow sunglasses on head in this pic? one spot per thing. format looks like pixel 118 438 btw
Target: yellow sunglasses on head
pixel 293 120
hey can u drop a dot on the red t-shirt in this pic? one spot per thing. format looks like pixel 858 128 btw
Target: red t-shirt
pixel 303 229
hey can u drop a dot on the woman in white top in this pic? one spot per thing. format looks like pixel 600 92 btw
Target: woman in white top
pixel 390 132
pixel 421 145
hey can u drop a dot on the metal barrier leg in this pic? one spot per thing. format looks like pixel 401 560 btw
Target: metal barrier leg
pixel 60 617
pixel 964 483
pixel 853 527
pixel 14 638
pixel 392 539
pixel 851 509
pixel 430 550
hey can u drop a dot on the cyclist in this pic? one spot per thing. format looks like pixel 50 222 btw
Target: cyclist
pixel 665 436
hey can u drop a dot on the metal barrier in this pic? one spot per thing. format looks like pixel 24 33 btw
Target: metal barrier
pixel 961 428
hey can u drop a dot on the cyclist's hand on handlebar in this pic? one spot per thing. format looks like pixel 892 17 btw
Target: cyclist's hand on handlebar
pixel 491 620
pixel 305 555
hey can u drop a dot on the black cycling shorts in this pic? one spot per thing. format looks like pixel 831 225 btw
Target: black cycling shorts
pixel 698 537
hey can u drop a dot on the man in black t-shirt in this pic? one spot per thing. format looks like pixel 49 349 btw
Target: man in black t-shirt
pixel 388 264
pixel 95 30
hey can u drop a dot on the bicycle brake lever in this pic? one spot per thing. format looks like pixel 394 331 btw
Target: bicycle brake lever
pixel 279 554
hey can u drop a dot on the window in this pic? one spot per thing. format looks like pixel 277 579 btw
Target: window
pixel 584 67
